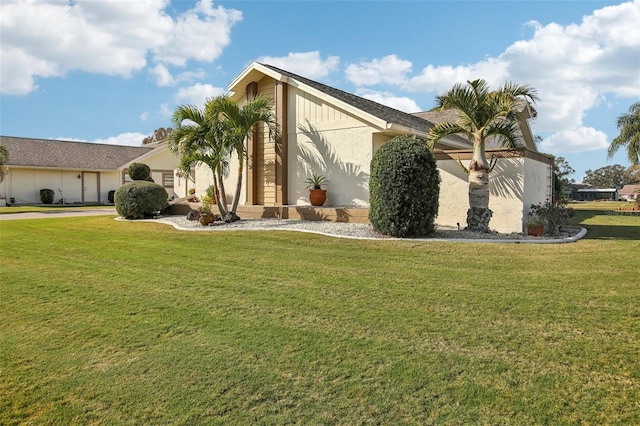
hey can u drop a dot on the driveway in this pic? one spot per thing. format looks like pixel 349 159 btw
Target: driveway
pixel 98 211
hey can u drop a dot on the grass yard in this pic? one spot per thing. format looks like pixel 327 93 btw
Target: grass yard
pixel 107 322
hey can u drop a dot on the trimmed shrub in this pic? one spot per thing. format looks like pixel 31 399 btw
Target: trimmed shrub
pixel 139 171
pixel 46 196
pixel 139 199
pixel 403 189
pixel 110 196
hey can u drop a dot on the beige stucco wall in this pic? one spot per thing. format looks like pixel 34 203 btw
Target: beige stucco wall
pixel 538 184
pixel 514 184
pixel 24 184
pixel 327 140
pixel 506 186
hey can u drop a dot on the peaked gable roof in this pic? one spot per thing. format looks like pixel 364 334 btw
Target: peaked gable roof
pixel 376 109
pixel 385 116
pixel 27 152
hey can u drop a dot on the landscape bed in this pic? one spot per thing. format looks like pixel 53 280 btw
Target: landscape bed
pixel 110 322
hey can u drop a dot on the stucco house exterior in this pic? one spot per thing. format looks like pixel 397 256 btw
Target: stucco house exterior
pixel 79 172
pixel 327 131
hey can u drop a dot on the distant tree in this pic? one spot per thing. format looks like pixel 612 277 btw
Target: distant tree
pixel 632 175
pixel 629 126
pixel 605 177
pixel 4 158
pixel 563 170
pixel 158 135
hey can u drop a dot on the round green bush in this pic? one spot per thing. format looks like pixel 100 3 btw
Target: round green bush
pixel 139 199
pixel 403 189
pixel 46 196
pixel 139 171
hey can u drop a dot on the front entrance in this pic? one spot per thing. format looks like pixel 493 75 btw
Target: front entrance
pixel 91 188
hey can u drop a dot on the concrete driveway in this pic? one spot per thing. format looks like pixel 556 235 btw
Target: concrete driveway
pixel 98 211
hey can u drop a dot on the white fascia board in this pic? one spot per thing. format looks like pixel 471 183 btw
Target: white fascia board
pixel 152 153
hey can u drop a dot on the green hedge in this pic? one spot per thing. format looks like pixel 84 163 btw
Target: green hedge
pixel 139 171
pixel 46 196
pixel 139 199
pixel 404 187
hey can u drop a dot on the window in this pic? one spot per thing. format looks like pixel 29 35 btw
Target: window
pixel 167 180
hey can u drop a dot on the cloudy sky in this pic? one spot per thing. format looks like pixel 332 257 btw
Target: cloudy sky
pixel 112 71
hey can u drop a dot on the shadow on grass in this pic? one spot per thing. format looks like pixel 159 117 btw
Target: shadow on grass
pixel 601 226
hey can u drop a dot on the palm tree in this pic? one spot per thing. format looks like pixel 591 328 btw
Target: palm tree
pixel 199 138
pixel 482 115
pixel 4 157
pixel 239 124
pixel 629 126
pixel 211 136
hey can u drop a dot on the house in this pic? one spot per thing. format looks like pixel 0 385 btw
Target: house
pixel 629 193
pixel 327 131
pixel 78 172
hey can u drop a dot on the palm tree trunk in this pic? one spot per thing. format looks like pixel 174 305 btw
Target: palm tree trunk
pixel 236 197
pixel 218 183
pixel 478 215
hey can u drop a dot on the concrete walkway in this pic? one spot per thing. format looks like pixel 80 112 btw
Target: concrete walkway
pixel 98 211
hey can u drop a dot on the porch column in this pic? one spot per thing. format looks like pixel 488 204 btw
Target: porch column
pixel 251 92
pixel 281 144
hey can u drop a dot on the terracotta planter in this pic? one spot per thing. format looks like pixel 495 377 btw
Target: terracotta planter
pixel 317 197
pixel 206 219
pixel 535 231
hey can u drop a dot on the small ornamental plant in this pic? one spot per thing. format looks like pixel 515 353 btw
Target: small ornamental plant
pixel 552 215
pixel 315 181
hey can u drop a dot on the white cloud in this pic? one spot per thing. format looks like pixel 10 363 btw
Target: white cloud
pixel 197 94
pixel 307 64
pixel 48 39
pixel 200 34
pixel 574 140
pixel 574 69
pixel 162 75
pixel 144 116
pixel 389 69
pixel 398 102
pixel 128 138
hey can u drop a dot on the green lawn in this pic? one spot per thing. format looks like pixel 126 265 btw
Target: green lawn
pixel 107 322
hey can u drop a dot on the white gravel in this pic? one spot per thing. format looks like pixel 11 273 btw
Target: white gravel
pixel 363 231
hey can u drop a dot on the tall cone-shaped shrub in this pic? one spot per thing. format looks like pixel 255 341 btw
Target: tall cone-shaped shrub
pixel 403 189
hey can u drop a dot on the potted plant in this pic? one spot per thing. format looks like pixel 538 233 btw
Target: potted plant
pixel 206 215
pixel 535 228
pixel 317 195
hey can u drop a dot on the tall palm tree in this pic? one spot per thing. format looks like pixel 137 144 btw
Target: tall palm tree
pixel 629 126
pixel 239 124
pixel 199 138
pixel 482 115
pixel 4 157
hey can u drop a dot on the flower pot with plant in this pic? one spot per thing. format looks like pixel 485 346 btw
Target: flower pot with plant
pixel 317 195
pixel 206 215
pixel 535 228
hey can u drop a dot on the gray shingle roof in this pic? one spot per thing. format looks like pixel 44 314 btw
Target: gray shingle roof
pixel 383 112
pixel 28 152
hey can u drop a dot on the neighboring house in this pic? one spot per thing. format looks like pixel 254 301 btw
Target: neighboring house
pixel 79 172
pixel 596 194
pixel 327 131
pixel 629 193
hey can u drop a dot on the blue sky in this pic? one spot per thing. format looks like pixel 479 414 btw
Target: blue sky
pixel 112 71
